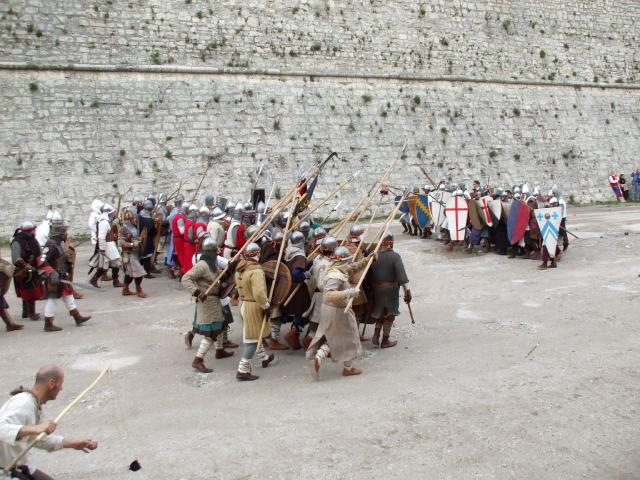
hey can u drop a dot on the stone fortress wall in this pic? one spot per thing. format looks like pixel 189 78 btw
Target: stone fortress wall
pixel 112 96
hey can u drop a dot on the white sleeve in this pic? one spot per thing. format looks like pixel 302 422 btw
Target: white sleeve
pixel 103 229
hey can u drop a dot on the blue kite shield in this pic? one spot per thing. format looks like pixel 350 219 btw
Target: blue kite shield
pixel 404 208
pixel 422 209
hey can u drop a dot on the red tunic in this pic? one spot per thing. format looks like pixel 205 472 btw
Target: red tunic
pixel 178 238
pixel 189 246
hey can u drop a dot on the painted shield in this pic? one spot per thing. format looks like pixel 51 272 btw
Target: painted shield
pixel 422 209
pixel 437 203
pixel 496 209
pixel 229 281
pixel 404 208
pixel 549 222
pixel 485 205
pixel 518 221
pixel 476 215
pixel 457 212
pixel 283 282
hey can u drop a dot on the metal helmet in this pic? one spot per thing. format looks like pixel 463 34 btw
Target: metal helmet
pixel 304 226
pixel 525 189
pixel 252 250
pixel 148 205
pixel 230 207
pixel 282 219
pixel 162 198
pixel 328 244
pixel 442 186
pixel 297 239
pixel 278 236
pixel 319 233
pixel 204 211
pixel 248 206
pixel 209 200
pixel 248 233
pixel 106 208
pixel 217 213
pixel 193 208
pixel 341 253
pixel 136 200
pixel 27 226
pixel 238 211
pixel 356 230
pixel 261 207
pixel 553 201
pixel 56 217
pixel 517 189
pixel 179 201
pixel 458 193
pixel 555 191
pixel 208 244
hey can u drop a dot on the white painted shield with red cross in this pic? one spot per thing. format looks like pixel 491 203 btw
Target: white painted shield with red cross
pixel 496 207
pixel 437 202
pixel 457 212
pixel 486 210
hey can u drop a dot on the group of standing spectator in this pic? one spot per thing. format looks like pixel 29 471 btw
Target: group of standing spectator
pixel 624 189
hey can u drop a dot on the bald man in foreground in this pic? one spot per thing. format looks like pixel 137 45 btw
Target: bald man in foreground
pixel 20 422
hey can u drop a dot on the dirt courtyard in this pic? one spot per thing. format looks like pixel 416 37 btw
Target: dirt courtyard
pixel 509 372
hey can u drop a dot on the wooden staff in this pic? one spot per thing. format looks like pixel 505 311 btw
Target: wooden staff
pixel 331 195
pixel 8 467
pixel 391 216
pixel 275 273
pixel 366 199
pixel 276 210
pixel 371 195
pixel 366 230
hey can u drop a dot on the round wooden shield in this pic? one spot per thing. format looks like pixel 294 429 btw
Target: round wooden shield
pixel 283 282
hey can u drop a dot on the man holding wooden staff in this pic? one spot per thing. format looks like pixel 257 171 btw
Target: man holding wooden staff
pixel 337 333
pixel 252 288
pixel 386 277
pixel 20 421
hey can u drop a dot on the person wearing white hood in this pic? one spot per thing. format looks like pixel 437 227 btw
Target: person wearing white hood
pixel 106 254
pixel 96 207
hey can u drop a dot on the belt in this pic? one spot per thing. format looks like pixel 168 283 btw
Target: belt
pixel 245 300
pixel 385 284
pixel 230 247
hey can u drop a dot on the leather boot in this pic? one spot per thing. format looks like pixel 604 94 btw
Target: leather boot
pixel 172 274
pixel 275 345
pixel 49 326
pixel 8 321
pixel 351 371
pixel 25 309
pixel 116 281
pixel 78 318
pixel 246 377
pixel 96 277
pixel 222 353
pixel 188 339
pixel 125 290
pixel 31 304
pixel 268 360
pixel 386 343
pixel 405 229
pixel 198 364
pixel 139 292
pixel 293 338
pixel 543 265
pixel 104 277
pixel 229 344
pixel 376 337
pixel 553 263
pixel 315 369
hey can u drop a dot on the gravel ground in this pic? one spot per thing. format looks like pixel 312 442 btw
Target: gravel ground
pixel 508 373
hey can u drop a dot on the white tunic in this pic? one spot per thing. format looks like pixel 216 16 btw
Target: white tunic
pixel 19 411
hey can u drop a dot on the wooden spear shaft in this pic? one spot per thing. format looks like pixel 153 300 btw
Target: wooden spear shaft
pixel 331 195
pixel 275 273
pixel 32 443
pixel 366 230
pixel 381 236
